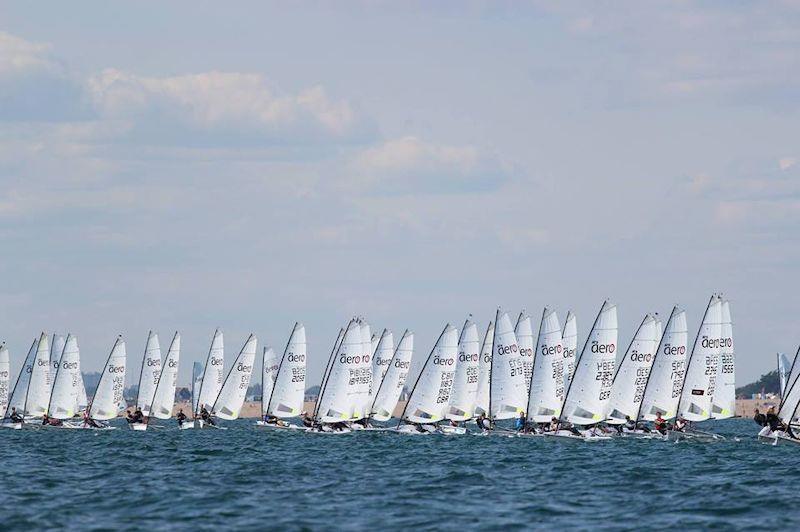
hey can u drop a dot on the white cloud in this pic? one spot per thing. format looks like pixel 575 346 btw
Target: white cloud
pixel 784 163
pixel 18 56
pixel 410 165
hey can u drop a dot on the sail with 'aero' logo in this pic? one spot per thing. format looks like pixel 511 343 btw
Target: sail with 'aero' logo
pixel 431 393
pixel 234 388
pixel 38 396
pixel 508 393
pixel 524 333
pixel 339 396
pixel 164 394
pixel 484 372
pixel 382 354
pixel 663 387
pixel 701 368
pixel 362 375
pixel 56 350
pixel 64 398
pixel 569 340
pixel 465 381
pixel 547 380
pixel 108 395
pixel 269 370
pixel 587 396
pixel 723 403
pixel 630 381
pixel 149 374
pixel 391 386
pixel 286 398
pixel 213 373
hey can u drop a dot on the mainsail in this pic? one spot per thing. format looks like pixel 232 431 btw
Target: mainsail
pixel 38 396
pixel 197 381
pixel 524 332
pixel 663 387
pixel 17 398
pixel 164 394
pixel 465 382
pixel 391 386
pixel 791 398
pixel 64 398
pixel 701 368
pixel 723 403
pixel 431 393
pixel 5 375
pixel 286 398
pixel 108 395
pixel 56 349
pixel 269 370
pixel 213 373
pixel 381 358
pixel 363 375
pixel 508 393
pixel 630 380
pixel 784 371
pixel 234 389
pixel 586 399
pixel 547 380
pixel 484 372
pixel 339 393
pixel 569 341
pixel 149 374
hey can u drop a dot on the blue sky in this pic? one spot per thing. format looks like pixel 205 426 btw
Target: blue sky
pixel 193 165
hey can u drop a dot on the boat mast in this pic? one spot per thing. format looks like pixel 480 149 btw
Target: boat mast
pixel 421 373
pixel 383 378
pixel 141 372
pixel 103 376
pixel 491 363
pixel 158 384
pixel 205 368
pixel 533 366
pixel 277 374
pixel 655 357
pixel 33 367
pixel 19 376
pixel 324 382
pixel 691 355
pixel 58 368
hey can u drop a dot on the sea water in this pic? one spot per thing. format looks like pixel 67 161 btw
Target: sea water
pixel 246 478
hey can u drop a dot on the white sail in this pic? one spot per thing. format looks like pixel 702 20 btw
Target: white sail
pixel 164 394
pixel 586 400
pixel 38 396
pixel 547 380
pixel 701 368
pixel 286 399
pixel 381 358
pixel 363 374
pixel 234 388
pixel 5 377
pixel 269 370
pixel 56 349
pixel 339 396
pixel 524 333
pixel 197 380
pixel 724 399
pixel 630 380
pixel 663 387
pixel 64 397
pixel 465 382
pixel 484 372
pixel 149 374
pixel 394 378
pixel 569 342
pixel 791 394
pixel 431 394
pixel 108 395
pixel 17 398
pixel 508 393
pixel 784 368
pixel 374 344
pixel 213 373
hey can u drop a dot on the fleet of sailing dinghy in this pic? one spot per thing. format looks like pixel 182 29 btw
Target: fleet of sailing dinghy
pixel 502 375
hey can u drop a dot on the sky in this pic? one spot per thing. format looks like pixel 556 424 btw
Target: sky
pixel 193 165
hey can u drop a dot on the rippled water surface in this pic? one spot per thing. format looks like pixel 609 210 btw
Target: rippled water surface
pixel 248 478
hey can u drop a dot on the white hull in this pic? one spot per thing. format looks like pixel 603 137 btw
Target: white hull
pixel 567 435
pixel 447 429
pixel 12 426
pixel 186 425
pixel 675 435
pixel 272 426
pixel 326 430
pixel 640 434
pixel 137 426
pixel 412 429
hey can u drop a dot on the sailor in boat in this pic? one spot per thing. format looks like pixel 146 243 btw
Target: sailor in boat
pixel 205 416
pixel 553 426
pixel 138 416
pixel 760 419
pixel 89 422
pixel 484 423
pixel 566 425
pixel 15 417
pixel 680 425
pixel 272 420
pixel 628 426
pixel 519 424
pixel 128 416
pixel 660 424
pixel 307 420
pixel 773 420
pixel 180 416
pixel 53 422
